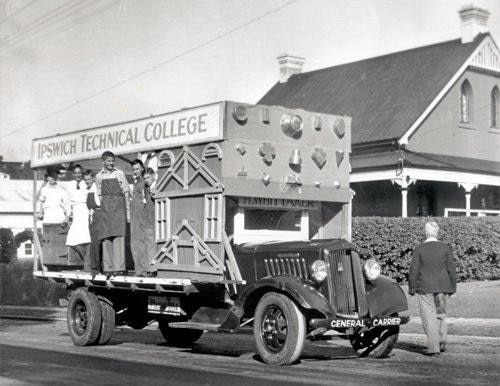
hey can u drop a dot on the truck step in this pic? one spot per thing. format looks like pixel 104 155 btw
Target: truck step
pixel 196 326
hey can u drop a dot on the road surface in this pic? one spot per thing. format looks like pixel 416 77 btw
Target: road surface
pixel 35 352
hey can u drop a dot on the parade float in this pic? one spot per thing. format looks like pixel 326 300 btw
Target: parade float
pixel 252 227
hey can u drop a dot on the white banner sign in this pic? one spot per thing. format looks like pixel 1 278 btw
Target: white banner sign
pixel 277 203
pixel 197 125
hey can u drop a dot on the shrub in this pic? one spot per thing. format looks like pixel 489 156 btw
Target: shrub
pixel 8 249
pixel 475 243
pixel 18 287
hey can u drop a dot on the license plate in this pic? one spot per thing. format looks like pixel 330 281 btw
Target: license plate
pixel 165 305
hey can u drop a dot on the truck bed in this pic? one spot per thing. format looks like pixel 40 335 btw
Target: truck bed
pixel 134 283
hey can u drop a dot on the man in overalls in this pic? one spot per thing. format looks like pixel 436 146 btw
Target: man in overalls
pixel 112 187
pixel 142 222
pixel 93 205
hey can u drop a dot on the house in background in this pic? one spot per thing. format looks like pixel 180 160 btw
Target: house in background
pixel 16 201
pixel 425 122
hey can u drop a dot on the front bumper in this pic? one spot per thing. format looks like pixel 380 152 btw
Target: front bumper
pixel 343 324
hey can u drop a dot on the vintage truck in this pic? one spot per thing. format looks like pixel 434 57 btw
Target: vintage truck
pixel 252 225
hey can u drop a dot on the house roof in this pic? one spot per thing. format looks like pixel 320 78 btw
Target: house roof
pixel 383 95
pixel 16 196
pixel 390 160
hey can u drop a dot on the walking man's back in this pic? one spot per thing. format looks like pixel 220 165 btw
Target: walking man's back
pixel 432 277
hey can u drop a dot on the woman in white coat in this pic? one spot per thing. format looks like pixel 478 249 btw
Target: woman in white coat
pixel 53 206
pixel 78 235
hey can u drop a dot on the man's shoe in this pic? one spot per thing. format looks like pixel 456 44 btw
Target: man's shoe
pixel 150 274
pixel 442 347
pixel 431 354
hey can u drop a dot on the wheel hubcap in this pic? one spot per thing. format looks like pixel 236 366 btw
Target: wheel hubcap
pixel 274 329
pixel 81 318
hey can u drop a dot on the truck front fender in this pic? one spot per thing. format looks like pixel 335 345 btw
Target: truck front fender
pixel 384 297
pixel 301 292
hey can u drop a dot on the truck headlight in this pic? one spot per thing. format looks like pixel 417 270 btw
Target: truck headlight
pixel 371 269
pixel 318 271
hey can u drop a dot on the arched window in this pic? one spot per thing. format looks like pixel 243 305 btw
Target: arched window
pixel 494 102
pixel 466 102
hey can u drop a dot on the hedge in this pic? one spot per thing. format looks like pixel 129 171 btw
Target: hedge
pixel 18 287
pixel 475 242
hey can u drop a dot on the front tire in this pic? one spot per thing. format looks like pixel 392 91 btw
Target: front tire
pixel 376 342
pixel 84 317
pixel 179 337
pixel 279 330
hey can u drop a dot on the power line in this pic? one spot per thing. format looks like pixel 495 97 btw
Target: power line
pixel 5 19
pixel 45 21
pixel 139 74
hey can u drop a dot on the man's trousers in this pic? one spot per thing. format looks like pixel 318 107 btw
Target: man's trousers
pixel 433 313
pixel 113 254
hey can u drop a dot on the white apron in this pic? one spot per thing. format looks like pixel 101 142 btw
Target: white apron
pixel 79 230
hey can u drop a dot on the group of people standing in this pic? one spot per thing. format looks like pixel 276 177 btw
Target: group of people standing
pixel 98 209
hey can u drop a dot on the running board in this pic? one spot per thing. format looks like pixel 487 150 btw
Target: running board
pixel 196 326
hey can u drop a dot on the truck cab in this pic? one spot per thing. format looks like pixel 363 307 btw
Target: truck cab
pixel 252 226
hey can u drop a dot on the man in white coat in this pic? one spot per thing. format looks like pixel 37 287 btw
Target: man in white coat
pixel 78 234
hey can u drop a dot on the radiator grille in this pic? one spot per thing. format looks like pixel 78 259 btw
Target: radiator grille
pixel 345 283
pixel 286 266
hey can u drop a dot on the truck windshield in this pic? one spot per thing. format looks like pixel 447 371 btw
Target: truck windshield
pixel 280 220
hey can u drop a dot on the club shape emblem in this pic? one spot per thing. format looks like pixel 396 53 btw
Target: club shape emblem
pixel 267 152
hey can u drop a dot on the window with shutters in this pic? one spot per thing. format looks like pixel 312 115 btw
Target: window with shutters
pixel 162 218
pixel 213 217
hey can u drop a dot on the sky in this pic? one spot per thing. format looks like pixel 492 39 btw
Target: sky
pixel 66 65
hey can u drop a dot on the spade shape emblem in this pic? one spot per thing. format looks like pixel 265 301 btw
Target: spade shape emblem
pixel 319 157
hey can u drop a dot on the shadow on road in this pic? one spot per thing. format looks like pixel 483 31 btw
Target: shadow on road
pixel 411 347
pixel 211 350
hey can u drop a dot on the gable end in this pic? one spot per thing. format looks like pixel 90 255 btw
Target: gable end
pixel 486 57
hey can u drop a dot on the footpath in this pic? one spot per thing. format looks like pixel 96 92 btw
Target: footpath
pixel 474 311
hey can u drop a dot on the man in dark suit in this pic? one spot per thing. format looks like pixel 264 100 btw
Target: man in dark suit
pixel 432 277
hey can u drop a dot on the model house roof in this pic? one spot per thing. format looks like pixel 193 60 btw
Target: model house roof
pixel 384 95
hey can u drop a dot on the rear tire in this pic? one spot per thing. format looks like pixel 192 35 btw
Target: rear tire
pixel 107 320
pixel 279 330
pixel 180 337
pixel 84 317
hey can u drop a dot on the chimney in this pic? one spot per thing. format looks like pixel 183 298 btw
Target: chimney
pixel 474 21
pixel 289 64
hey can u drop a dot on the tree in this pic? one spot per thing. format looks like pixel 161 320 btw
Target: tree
pixel 23 236
pixel 8 249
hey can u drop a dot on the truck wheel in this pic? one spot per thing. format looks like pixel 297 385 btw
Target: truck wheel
pixel 84 317
pixel 107 320
pixel 376 342
pixel 279 330
pixel 180 337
